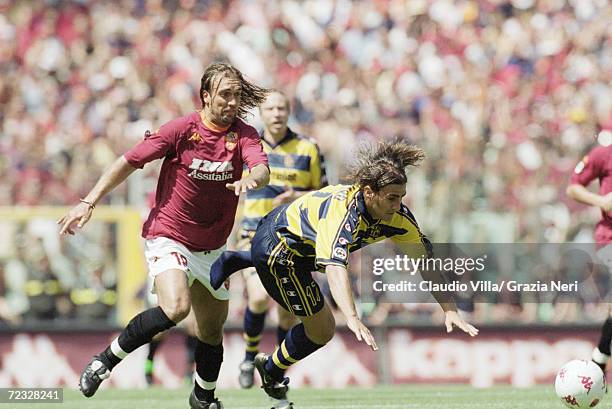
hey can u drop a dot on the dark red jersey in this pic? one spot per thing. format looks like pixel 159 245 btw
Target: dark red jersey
pixel 192 204
pixel 598 165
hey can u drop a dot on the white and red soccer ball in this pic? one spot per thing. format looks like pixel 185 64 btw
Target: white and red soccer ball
pixel 580 384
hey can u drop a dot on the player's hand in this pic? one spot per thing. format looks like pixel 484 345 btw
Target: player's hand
pixel 606 202
pixel 361 332
pixel 453 319
pixel 242 185
pixel 287 196
pixel 79 215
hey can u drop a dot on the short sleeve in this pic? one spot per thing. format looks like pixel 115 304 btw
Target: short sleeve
pixel 412 240
pixel 334 235
pixel 252 150
pixel 589 168
pixel 156 144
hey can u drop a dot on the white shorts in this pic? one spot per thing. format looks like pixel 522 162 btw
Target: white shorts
pixel 164 254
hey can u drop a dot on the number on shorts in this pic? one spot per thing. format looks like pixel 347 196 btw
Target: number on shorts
pixel 313 293
pixel 182 260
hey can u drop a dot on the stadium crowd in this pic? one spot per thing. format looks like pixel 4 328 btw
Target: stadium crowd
pixel 504 96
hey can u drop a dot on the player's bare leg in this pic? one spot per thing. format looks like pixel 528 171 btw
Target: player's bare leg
pixel 301 340
pixel 174 303
pixel 254 320
pixel 191 342
pixel 286 321
pixel 210 315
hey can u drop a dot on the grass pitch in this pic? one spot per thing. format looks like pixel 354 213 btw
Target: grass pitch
pixel 383 397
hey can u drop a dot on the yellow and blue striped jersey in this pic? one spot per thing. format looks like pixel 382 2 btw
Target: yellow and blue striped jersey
pixel 294 162
pixel 327 225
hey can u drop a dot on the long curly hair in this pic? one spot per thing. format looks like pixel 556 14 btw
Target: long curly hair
pixel 252 95
pixel 384 163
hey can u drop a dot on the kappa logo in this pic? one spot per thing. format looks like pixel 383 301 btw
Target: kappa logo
pixel 291 293
pixel 284 280
pixel 214 171
pixel 343 241
pixel 340 253
pixel 297 307
pixel 195 137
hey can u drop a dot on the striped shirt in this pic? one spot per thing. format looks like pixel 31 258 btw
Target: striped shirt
pixel 325 226
pixel 295 162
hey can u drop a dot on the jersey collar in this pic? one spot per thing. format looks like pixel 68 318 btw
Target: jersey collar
pixel 289 135
pixel 362 209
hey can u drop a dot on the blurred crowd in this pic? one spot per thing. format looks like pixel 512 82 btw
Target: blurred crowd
pixel 505 96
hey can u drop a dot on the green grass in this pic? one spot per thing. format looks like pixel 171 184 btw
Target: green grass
pixel 383 397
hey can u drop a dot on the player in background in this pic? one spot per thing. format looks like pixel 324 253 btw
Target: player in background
pixel 296 168
pixel 195 206
pixel 318 232
pixel 598 165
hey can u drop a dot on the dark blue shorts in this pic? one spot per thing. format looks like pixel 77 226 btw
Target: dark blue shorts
pixel 285 275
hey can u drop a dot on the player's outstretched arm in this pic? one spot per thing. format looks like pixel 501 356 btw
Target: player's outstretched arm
pixel 81 213
pixel 340 287
pixel 445 300
pixel 581 194
pixel 257 178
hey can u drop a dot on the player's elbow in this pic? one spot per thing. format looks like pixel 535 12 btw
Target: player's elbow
pixel 571 191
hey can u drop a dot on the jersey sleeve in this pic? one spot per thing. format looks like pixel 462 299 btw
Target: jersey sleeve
pixel 252 150
pixel 413 243
pixel 335 234
pixel 589 168
pixel 156 144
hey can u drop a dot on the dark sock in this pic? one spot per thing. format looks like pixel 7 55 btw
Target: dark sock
pixel 606 337
pixel 139 331
pixel 253 329
pixel 190 344
pixel 227 264
pixel 208 360
pixel 296 345
pixel 281 334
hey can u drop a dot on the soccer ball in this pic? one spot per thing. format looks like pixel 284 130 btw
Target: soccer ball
pixel 580 384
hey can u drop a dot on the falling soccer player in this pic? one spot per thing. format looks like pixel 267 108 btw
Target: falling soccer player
pixel 318 232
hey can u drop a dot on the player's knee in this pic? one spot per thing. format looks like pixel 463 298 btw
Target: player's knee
pixel 258 305
pixel 286 320
pixel 258 296
pixel 328 331
pixel 177 309
pixel 322 332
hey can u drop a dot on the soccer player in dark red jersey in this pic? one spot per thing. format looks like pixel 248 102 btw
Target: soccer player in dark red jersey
pixel 195 206
pixel 598 165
